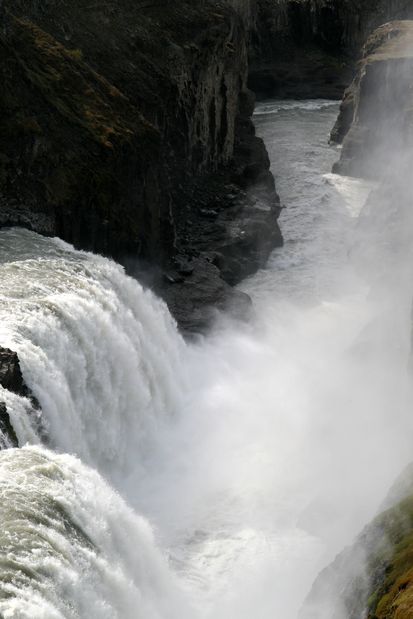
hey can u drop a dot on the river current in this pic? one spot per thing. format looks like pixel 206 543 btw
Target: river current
pixel 212 479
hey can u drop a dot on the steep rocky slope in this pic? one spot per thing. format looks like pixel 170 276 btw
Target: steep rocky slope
pixel 307 48
pixel 374 577
pixel 126 129
pixel 375 116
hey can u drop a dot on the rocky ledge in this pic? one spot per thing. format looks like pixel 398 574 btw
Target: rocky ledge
pixel 125 128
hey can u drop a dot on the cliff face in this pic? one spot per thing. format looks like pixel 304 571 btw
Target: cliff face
pixel 375 115
pixel 307 48
pixel 115 114
pixel 374 577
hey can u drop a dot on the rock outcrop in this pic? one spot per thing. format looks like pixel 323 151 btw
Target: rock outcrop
pixel 375 119
pixel 11 378
pixel 115 114
pixel 307 48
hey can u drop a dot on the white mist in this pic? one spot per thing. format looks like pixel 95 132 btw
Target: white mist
pixel 259 452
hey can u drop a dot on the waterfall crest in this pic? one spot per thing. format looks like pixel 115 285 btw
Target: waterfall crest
pixel 101 354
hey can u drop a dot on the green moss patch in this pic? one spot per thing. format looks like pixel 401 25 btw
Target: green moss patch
pixel 390 565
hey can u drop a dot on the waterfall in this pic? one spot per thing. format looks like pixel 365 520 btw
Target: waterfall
pixel 256 453
pixel 72 548
pixel 102 355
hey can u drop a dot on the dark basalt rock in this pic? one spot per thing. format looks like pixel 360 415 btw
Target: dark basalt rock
pixel 346 115
pixel 207 293
pixel 8 436
pixel 110 114
pixel 307 48
pixel 11 378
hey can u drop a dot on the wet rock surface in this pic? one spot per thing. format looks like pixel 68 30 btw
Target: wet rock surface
pixel 8 435
pixel 11 378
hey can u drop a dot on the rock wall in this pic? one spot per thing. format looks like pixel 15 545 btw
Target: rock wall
pixel 373 578
pixel 307 48
pixel 114 113
pixel 247 9
pixel 375 119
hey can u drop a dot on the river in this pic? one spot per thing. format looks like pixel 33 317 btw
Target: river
pixel 211 479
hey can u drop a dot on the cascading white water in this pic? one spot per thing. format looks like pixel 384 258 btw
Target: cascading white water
pixel 256 453
pixel 72 548
pixel 102 355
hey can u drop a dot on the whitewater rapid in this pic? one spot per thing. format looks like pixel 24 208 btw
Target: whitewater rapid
pixel 245 461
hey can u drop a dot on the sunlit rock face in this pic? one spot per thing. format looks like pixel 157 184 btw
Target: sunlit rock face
pixel 375 115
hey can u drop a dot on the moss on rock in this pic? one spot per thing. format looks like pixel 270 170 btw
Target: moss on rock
pixel 390 565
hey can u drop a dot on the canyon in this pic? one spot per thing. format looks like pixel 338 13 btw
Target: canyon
pixel 127 129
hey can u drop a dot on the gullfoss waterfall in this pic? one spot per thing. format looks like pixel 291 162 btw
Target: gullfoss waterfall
pixel 243 461
pixel 93 346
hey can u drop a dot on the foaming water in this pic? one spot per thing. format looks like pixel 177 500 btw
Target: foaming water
pixel 318 220
pixel 72 548
pixel 300 421
pixel 102 355
pixel 265 108
pixel 258 452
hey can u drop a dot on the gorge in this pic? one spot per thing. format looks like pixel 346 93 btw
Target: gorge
pixel 197 418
